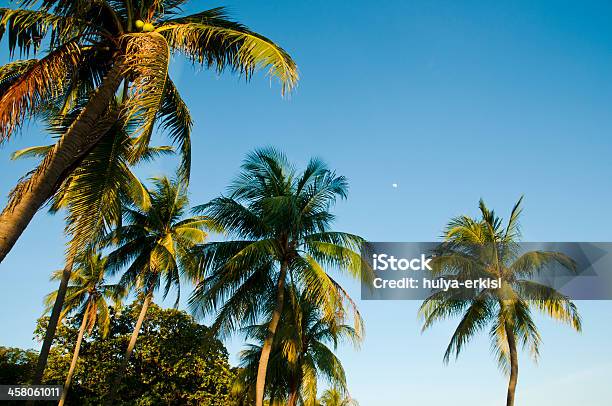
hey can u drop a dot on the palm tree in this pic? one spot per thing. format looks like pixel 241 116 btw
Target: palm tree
pixel 94 47
pixel 92 197
pixel 87 294
pixel 483 247
pixel 281 221
pixel 335 397
pixel 300 352
pixel 155 245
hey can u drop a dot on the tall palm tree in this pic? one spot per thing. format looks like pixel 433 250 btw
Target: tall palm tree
pixel 87 294
pixel 155 245
pixel 94 47
pixel 300 354
pixel 335 397
pixel 281 222
pixel 92 198
pixel 484 247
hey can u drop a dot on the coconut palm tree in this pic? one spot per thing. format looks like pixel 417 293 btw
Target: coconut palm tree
pixel 484 247
pixel 92 198
pixel 155 245
pixel 88 294
pixel 93 48
pixel 335 397
pixel 300 354
pixel 279 225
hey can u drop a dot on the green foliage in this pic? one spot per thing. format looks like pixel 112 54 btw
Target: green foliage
pixel 88 293
pixel 176 361
pixel 86 38
pixel 484 247
pixel 93 194
pixel 335 397
pixel 301 355
pixel 276 218
pixel 155 242
pixel 16 365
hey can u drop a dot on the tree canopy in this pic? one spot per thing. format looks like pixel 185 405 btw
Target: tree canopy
pixel 177 361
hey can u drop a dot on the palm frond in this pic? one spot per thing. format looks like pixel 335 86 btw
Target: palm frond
pixel 32 152
pixel 13 70
pixel 210 38
pixel 550 302
pixel 175 118
pixel 36 85
pixel 94 191
pixel 26 28
pixel 477 315
pixel 483 248
pixel 534 262
pixel 147 59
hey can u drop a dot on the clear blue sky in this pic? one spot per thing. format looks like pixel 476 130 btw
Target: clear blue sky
pixel 451 100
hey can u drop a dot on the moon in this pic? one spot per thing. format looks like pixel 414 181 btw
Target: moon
pixel 394 185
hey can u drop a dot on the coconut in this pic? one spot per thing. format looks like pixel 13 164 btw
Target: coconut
pixel 139 24
pixel 148 27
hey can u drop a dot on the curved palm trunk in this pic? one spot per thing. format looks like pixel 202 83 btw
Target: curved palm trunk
pixel 513 365
pixel 29 196
pixel 75 356
pixel 128 353
pixel 53 321
pixel 267 346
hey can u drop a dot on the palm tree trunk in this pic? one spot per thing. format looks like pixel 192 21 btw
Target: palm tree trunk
pixel 294 395
pixel 75 356
pixel 58 306
pixel 267 346
pixel 128 353
pixel 88 128
pixel 513 365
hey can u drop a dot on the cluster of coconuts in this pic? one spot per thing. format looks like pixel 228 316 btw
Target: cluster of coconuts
pixel 145 27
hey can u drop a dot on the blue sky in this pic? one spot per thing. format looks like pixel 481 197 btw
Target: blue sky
pixel 453 101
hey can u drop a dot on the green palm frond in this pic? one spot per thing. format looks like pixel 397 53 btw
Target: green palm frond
pixel 484 248
pixel 525 328
pixel 238 220
pixel 93 194
pixel 26 28
pixel 309 387
pixel 335 397
pixel 550 302
pixel 339 255
pixel 211 39
pixel 281 221
pixel 534 262
pixel 32 152
pixel 440 306
pixel 88 292
pixel 475 318
pixel 513 231
pixel 243 306
pixel 156 242
pixel 174 117
pixel 329 365
pixel 147 60
pixel 301 353
pixel 87 38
